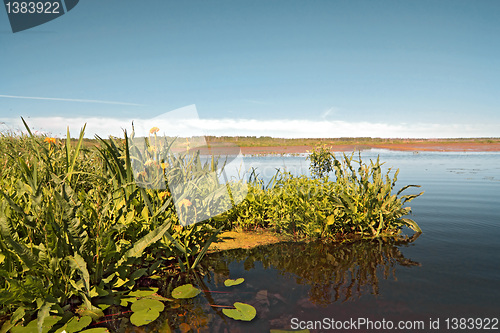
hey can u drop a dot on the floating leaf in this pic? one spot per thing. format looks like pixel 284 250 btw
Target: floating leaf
pixel 230 282
pixel 145 311
pixel 143 292
pixel 185 291
pixel 243 311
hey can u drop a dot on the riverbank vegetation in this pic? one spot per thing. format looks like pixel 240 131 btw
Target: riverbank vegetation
pixel 267 141
pixel 81 238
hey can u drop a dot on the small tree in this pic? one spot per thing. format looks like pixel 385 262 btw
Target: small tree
pixel 321 161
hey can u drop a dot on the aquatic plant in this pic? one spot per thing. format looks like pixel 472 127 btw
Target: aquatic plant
pixel 358 203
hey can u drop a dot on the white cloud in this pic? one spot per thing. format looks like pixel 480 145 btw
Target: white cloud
pixel 285 128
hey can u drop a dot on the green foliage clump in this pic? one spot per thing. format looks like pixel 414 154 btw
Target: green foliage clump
pixel 76 230
pixel 321 161
pixel 359 203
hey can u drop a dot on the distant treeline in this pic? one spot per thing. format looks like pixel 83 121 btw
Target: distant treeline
pixel 266 141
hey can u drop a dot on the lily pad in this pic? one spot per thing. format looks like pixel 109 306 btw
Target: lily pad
pixel 243 311
pixel 230 282
pixel 185 291
pixel 145 311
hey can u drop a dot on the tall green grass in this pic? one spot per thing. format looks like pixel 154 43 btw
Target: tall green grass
pixel 76 230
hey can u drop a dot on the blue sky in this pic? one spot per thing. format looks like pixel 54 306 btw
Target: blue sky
pixel 278 68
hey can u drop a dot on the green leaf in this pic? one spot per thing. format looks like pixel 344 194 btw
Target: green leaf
pixel 146 241
pixel 120 283
pixel 96 330
pixel 243 311
pixel 75 324
pixel 18 314
pixel 230 282
pixel 145 311
pixel 95 312
pixel 412 225
pixel 97 291
pixel 43 313
pixel 147 304
pixel 6 327
pixel 32 325
pixel 330 220
pixel 185 291
pixel 143 292
pixel 77 262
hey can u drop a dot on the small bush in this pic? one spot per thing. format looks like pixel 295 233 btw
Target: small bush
pixel 359 202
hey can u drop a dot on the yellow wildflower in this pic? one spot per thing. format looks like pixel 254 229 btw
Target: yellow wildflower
pixel 50 140
pixel 164 165
pixel 163 195
pixel 153 130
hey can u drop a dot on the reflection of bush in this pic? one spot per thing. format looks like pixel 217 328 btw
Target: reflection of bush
pixel 338 271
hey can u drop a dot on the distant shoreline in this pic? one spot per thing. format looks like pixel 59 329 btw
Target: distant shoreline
pixel 410 146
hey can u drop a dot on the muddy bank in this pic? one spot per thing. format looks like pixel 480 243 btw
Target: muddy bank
pixel 245 240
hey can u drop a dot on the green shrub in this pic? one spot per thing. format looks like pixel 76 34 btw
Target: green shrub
pixel 357 203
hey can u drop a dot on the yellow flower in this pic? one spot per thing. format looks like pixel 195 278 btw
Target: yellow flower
pixel 163 195
pixel 184 202
pixel 178 228
pixel 50 140
pixel 164 165
pixel 154 130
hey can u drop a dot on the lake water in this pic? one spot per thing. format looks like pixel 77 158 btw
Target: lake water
pixel 451 271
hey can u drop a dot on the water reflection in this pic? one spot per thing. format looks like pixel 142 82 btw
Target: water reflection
pixel 282 281
pixel 334 272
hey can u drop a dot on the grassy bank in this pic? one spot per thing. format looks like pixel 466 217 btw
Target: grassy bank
pixel 86 230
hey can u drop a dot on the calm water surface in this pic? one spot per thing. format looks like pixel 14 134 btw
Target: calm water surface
pixel 451 270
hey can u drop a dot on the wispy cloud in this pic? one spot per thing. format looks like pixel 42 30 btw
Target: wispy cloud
pixel 285 128
pixel 328 112
pixel 71 100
